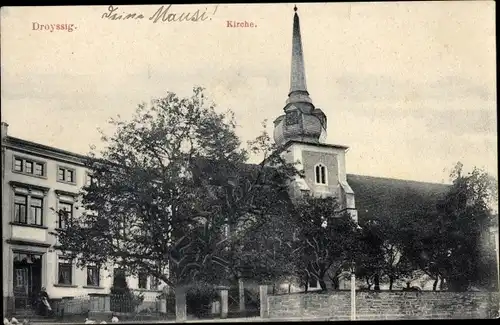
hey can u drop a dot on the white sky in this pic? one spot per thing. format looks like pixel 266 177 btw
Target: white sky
pixel 409 87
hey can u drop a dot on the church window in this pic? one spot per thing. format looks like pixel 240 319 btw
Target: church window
pixel 320 174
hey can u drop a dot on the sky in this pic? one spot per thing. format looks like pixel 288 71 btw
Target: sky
pixel 410 87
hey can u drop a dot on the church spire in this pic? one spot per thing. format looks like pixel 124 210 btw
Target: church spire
pixel 298 88
pixel 301 122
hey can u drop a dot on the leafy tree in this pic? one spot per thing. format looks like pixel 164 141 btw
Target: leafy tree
pixel 468 213
pixel 447 243
pixel 370 257
pixel 169 184
pixel 324 236
pixel 260 239
pixel 263 251
pixel 383 255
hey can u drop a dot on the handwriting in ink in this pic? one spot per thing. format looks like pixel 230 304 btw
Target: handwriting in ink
pixel 163 14
pixel 113 15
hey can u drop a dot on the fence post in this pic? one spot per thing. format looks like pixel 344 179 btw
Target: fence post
pixel 264 312
pixel 180 304
pixel 241 286
pixel 163 301
pixel 163 305
pixel 353 296
pixel 224 301
pixel 215 307
pixel 5 303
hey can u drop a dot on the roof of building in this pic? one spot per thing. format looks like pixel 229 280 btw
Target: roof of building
pixel 325 145
pixel 380 198
pixel 42 150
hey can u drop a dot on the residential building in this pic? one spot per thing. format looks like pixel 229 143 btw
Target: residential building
pixel 37 181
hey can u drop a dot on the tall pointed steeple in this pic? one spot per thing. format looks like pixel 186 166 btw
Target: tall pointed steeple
pixel 302 121
pixel 298 87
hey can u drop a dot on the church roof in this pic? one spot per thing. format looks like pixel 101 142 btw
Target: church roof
pixel 380 198
pixel 375 197
pixel 325 145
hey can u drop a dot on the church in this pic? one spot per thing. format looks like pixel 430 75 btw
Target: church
pixel 302 130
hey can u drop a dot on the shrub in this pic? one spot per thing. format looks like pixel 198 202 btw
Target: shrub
pixel 199 297
pixel 122 299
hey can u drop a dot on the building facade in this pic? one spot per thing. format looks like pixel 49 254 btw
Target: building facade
pixel 37 181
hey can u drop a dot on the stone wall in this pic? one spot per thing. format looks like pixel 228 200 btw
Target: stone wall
pixel 386 305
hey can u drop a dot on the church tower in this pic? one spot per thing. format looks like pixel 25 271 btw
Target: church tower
pixel 301 132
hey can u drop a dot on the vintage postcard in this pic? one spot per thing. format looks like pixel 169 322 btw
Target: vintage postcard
pixel 249 162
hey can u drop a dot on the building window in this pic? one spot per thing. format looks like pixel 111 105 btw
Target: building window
pixel 36 211
pixel 18 165
pixel 65 214
pixel 93 275
pixel 66 175
pixel 20 208
pixel 143 281
pixel 39 170
pixel 29 167
pixel 320 174
pixel 21 214
pixel 65 271
pixel 90 180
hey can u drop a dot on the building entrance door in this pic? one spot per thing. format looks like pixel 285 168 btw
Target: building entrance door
pixel 27 279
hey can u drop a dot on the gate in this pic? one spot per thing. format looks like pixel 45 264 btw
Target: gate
pixel 252 302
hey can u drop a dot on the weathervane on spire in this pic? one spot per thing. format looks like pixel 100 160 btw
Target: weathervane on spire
pixel 295 8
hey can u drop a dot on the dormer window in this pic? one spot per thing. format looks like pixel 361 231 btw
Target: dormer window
pixel 320 174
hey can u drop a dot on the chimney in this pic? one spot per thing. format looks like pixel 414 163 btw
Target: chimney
pixel 5 127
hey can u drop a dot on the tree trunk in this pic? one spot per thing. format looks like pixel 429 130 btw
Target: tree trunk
pixel 336 283
pixel 434 285
pixel 377 282
pixel 274 288
pixel 321 280
pixel 180 304
pixel 322 284
pixel 391 282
